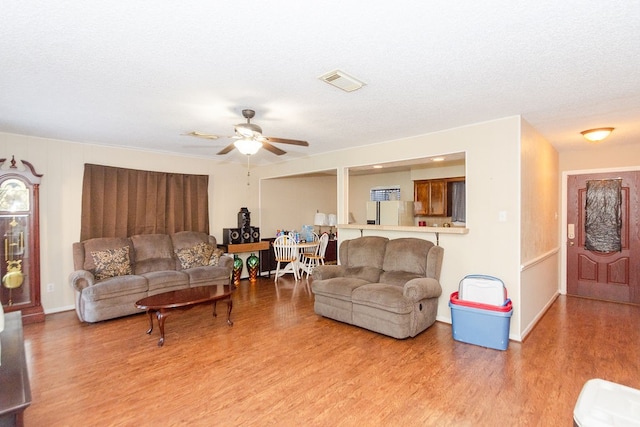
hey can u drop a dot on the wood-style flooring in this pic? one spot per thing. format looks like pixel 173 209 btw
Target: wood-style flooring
pixel 281 364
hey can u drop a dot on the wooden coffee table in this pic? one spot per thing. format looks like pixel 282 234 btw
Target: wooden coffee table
pixel 163 304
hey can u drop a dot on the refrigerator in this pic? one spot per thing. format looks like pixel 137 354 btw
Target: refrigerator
pixel 390 212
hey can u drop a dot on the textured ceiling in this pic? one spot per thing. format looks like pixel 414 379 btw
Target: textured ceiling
pixel 141 73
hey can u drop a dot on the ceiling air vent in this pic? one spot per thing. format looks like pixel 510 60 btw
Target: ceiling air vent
pixel 342 80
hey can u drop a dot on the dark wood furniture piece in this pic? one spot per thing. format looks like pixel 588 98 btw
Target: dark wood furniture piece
pixel 331 254
pixel 267 256
pixel 20 232
pixel 162 304
pixel 15 391
pixel 243 248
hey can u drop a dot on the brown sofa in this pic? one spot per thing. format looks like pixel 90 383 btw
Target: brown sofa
pixel 387 286
pixel 112 273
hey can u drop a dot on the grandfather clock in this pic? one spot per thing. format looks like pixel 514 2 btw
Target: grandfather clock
pixel 20 245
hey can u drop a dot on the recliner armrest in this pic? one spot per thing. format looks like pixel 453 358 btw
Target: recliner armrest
pixel 225 261
pixel 323 272
pixel 421 288
pixel 81 279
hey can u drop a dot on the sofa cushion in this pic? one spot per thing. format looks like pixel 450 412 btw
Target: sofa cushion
pixel 398 278
pixel 114 287
pixel 197 255
pixel 382 296
pixel 154 252
pixel 208 275
pixel 188 239
pixel 111 262
pixel 165 281
pixel 369 274
pixel 367 251
pixel 339 287
pixel 407 254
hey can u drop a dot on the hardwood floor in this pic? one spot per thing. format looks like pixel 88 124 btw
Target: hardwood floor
pixel 281 364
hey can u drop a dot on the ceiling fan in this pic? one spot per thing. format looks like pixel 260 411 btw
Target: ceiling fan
pixel 249 139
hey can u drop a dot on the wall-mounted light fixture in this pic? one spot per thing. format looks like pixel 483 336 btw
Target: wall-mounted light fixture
pixel 596 135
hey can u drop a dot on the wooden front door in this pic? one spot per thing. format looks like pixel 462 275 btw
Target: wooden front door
pixel 609 276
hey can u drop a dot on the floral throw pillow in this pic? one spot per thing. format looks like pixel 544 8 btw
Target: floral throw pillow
pixel 195 256
pixel 215 256
pixel 111 262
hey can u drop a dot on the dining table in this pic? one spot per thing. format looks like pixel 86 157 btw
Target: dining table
pixel 298 265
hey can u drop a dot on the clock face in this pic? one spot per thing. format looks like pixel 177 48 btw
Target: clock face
pixel 14 196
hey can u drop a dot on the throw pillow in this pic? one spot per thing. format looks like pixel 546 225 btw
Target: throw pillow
pixel 215 256
pixel 111 262
pixel 195 256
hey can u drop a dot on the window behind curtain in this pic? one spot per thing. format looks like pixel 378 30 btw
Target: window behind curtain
pixel 118 202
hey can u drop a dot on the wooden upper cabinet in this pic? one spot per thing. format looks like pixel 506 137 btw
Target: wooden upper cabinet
pixel 432 197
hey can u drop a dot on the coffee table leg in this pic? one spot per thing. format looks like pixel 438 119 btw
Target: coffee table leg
pixel 150 313
pixel 214 309
pixel 161 316
pixel 229 307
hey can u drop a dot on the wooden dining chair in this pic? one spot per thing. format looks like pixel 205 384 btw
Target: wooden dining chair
pixel 312 260
pixel 286 251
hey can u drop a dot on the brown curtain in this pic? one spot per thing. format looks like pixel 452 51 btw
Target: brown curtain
pixel 118 202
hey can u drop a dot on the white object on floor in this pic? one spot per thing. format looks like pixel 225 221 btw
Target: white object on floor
pixel 483 289
pixel 604 403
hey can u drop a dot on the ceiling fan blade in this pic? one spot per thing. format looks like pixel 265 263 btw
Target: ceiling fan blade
pixel 227 149
pixel 287 141
pixel 201 135
pixel 275 150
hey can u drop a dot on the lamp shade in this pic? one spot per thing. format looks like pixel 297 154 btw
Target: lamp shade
pixel 320 219
pixel 596 135
pixel 248 146
pixel 333 220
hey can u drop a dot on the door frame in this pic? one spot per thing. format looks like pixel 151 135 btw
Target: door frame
pixel 563 222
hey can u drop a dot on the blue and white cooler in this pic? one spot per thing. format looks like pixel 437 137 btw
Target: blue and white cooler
pixel 481 312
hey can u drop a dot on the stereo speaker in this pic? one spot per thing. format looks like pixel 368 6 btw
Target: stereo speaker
pixel 231 236
pixel 255 234
pixel 245 235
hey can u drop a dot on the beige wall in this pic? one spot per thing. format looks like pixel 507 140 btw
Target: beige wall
pixel 289 203
pixel 539 280
pixel 600 156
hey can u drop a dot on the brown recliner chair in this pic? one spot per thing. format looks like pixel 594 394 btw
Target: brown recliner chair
pixel 387 286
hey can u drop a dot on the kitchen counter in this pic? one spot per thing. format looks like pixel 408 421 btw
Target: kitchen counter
pixel 411 229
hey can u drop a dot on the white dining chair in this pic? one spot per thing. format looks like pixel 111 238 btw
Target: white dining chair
pixel 309 250
pixel 286 251
pixel 312 260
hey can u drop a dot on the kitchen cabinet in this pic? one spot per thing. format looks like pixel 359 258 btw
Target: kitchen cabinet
pixel 431 196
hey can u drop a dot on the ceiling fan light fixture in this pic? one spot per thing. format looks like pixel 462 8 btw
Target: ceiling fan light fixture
pixel 248 146
pixel 596 135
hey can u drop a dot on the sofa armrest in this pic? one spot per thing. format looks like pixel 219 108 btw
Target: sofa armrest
pixel 81 279
pixel 323 272
pixel 225 261
pixel 422 288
